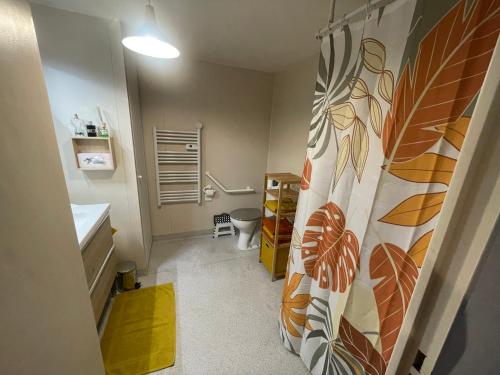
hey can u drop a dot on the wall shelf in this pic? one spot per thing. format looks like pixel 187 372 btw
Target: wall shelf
pixel 94 153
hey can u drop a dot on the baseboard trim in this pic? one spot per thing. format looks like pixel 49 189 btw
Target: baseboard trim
pixel 176 236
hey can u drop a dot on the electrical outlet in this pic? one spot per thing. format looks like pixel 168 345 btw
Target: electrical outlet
pixel 417 363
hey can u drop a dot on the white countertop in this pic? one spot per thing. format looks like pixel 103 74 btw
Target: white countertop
pixel 88 218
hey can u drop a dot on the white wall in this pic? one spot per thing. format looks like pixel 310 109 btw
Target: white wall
pixel 84 67
pixel 475 326
pixel 234 106
pixel 291 116
pixel 46 321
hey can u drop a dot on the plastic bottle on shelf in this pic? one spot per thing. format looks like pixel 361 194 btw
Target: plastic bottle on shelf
pixel 103 129
pixel 78 126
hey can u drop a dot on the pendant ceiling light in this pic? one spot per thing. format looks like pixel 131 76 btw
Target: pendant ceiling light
pixel 149 40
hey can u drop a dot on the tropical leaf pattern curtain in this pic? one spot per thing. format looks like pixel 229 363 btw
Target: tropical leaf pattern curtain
pixel 393 101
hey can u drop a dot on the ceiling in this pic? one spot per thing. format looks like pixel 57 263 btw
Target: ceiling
pixel 263 35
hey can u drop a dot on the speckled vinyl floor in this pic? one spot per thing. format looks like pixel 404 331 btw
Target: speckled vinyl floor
pixel 227 309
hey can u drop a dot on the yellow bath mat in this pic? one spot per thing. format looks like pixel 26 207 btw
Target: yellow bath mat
pixel 140 334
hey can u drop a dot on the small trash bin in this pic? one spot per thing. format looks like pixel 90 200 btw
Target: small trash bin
pixel 126 276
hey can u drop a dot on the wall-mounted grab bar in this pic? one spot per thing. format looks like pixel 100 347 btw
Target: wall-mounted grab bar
pixel 247 190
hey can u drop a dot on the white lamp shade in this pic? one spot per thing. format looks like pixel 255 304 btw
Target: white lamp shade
pixel 149 41
pixel 150 46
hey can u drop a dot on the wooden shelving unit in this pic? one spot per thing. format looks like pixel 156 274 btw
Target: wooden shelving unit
pixel 94 145
pixel 274 248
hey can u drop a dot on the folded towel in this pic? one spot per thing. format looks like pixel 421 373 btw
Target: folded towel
pixel 282 239
pixel 285 227
pixel 286 205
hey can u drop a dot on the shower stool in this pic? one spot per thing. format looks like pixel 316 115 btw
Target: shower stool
pixel 223 225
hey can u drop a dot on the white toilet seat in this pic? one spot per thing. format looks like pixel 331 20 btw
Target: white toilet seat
pixel 245 219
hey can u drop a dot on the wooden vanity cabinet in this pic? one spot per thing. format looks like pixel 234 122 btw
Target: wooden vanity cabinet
pixel 99 262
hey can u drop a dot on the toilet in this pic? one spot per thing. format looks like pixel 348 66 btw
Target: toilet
pixel 245 219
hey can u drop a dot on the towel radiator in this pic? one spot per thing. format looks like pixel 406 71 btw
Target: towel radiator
pixel 176 153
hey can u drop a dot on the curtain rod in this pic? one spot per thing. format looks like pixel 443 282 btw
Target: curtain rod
pixel 370 5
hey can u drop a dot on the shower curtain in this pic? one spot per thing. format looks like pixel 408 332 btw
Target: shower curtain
pixel 393 100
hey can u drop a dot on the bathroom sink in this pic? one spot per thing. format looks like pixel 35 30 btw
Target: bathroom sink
pixel 87 218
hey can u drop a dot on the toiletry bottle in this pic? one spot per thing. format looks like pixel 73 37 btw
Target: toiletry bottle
pixel 91 130
pixel 103 128
pixel 78 127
